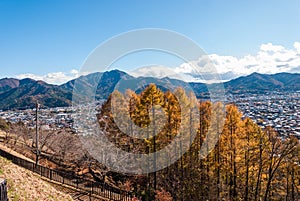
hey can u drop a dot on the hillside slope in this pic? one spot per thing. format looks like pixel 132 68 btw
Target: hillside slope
pixel 7 84
pixel 23 185
pixel 25 95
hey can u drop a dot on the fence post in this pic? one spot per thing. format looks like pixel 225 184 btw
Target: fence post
pixel 3 190
pixel 109 192
pixel 91 191
pixel 50 174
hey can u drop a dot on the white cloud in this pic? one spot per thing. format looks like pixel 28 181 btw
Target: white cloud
pixel 154 71
pixel 159 71
pixel 52 78
pixel 269 47
pixel 270 59
pixel 297 46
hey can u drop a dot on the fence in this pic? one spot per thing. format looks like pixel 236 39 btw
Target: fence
pixel 3 190
pixel 101 189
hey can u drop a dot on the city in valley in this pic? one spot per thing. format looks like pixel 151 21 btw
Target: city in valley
pixel 150 100
pixel 279 110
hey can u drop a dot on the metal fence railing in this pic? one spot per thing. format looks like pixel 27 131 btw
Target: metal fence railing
pixel 101 189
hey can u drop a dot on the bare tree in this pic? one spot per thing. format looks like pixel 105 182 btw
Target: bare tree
pixel 278 150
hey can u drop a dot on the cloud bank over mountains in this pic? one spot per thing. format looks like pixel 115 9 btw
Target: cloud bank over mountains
pixel 52 78
pixel 270 59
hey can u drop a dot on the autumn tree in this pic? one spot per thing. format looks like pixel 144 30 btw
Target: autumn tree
pixel 230 158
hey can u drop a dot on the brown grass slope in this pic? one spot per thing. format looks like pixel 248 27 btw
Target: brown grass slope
pixel 24 185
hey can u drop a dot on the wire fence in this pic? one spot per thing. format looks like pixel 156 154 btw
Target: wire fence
pixel 101 189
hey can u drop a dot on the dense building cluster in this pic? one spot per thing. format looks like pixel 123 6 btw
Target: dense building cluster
pixel 51 118
pixel 280 110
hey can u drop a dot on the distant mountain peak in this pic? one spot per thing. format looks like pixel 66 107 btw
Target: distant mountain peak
pixel 12 82
pixel 16 93
pixel 27 81
pixel 8 84
pixel 256 73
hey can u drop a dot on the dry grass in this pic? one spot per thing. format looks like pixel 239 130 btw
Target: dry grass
pixel 24 185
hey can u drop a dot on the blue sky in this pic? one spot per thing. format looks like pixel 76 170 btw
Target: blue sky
pixel 42 37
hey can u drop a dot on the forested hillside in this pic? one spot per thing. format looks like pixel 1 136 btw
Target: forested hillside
pixel 247 163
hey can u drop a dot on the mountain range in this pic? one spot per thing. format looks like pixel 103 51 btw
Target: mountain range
pixel 22 94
